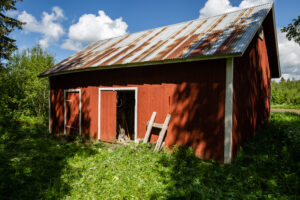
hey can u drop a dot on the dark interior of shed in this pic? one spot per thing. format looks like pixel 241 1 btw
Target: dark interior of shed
pixel 125 115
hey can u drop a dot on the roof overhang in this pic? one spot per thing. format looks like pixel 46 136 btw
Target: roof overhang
pixel 150 63
pixel 269 27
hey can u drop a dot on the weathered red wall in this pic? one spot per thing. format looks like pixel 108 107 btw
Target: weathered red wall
pixel 192 92
pixel 251 100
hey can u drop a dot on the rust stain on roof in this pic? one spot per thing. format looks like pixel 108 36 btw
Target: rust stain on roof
pixel 180 30
pixel 217 22
pixel 173 45
pixel 207 43
pixel 183 40
pixel 237 18
pixel 139 48
pixel 118 54
pixel 197 27
pixel 74 61
pixel 150 51
pixel 169 48
pixel 180 45
pixel 235 35
pixel 247 15
pixel 100 57
pixel 99 44
pixel 185 46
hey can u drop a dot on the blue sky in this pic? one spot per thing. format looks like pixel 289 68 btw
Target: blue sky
pixel 58 25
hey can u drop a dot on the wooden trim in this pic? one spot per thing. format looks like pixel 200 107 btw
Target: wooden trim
pixel 65 122
pixel 276 43
pixel 135 89
pixel 228 110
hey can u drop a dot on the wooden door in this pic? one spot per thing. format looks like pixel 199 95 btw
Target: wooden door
pixel 72 113
pixel 108 116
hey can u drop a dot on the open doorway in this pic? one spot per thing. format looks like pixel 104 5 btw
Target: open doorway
pixel 125 115
pixel 117 114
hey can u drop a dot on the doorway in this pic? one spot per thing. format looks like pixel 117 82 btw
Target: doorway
pixel 72 112
pixel 125 115
pixel 117 114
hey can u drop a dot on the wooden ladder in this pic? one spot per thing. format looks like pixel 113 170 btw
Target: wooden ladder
pixel 162 132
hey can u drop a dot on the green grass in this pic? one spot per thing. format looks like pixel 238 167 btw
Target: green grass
pixel 34 165
pixel 285 106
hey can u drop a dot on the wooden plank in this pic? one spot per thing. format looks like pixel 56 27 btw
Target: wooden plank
pixel 149 128
pixel 156 125
pixel 108 109
pixel 162 133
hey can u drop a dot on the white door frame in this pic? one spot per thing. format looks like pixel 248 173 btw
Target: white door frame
pixel 65 106
pixel 135 89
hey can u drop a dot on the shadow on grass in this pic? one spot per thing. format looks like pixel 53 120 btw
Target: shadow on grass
pixel 266 168
pixel 32 162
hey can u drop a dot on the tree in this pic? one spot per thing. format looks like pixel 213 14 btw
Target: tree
pixel 293 30
pixel 22 92
pixel 7 25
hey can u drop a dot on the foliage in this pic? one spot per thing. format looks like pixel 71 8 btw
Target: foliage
pixel 293 30
pixel 35 165
pixel 7 25
pixel 286 92
pixel 22 92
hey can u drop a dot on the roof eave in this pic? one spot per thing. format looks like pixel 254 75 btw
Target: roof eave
pixel 276 43
pixel 275 35
pixel 148 63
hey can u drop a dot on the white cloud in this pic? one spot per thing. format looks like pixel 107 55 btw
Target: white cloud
pixel 215 7
pixel 91 28
pixel 289 54
pixel 72 45
pixel 49 26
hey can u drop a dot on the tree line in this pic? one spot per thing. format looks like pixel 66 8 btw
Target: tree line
pixel 285 92
pixel 23 94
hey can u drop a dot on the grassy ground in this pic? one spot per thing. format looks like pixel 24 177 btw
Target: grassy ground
pixel 34 165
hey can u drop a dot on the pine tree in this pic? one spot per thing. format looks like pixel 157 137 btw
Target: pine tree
pixel 7 25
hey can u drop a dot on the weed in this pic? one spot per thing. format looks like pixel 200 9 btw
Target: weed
pixel 36 165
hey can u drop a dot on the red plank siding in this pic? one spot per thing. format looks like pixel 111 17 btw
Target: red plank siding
pixel 251 96
pixel 192 92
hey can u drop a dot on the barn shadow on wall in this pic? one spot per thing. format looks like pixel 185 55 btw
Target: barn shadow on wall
pixel 198 121
pixel 197 116
pixel 72 119
pixel 251 93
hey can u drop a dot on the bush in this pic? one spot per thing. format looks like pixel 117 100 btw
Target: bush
pixel 22 92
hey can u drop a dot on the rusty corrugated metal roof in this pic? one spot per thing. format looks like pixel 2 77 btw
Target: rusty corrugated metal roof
pixel 217 36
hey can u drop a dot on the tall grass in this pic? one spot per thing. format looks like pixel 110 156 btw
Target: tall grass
pixel 34 165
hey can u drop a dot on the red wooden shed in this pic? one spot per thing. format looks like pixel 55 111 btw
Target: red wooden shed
pixel 212 75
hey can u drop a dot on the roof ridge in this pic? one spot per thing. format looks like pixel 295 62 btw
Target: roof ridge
pixel 160 27
pixel 237 10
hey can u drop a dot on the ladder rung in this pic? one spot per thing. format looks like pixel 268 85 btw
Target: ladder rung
pixel 156 125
